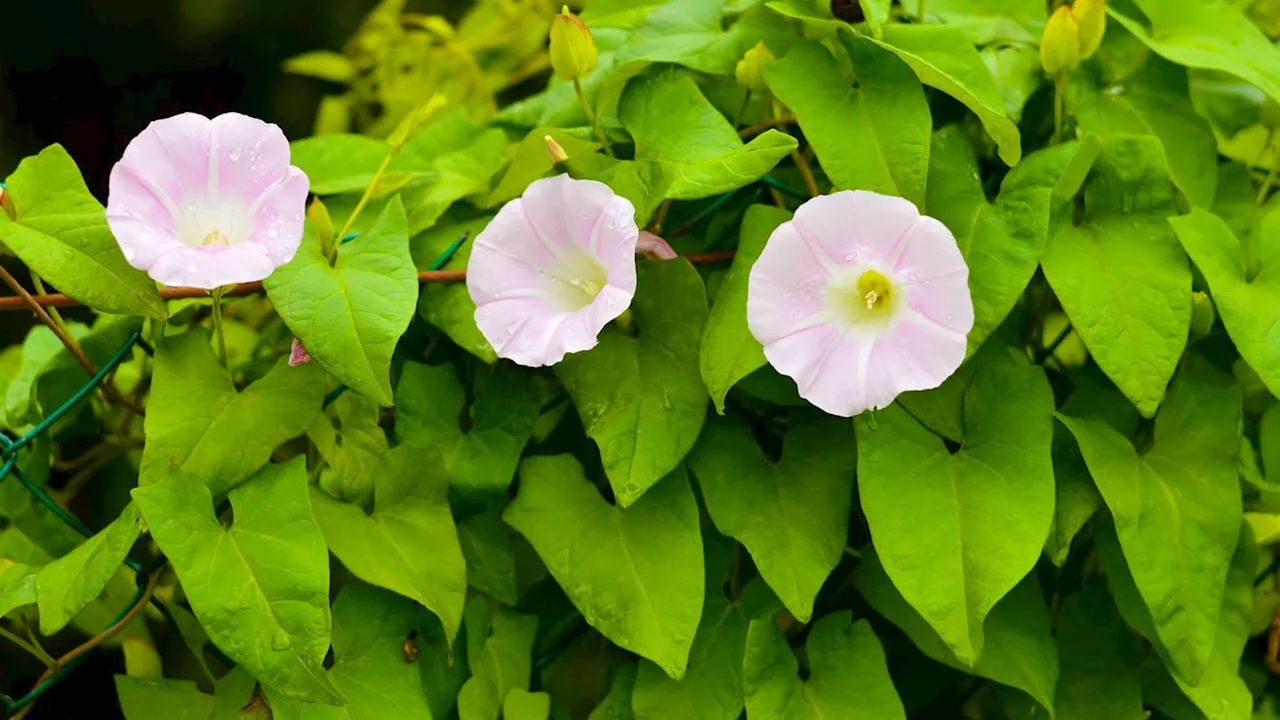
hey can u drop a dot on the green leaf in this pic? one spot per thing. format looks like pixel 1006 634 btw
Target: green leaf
pixel 1220 692
pixel 641 398
pixel 350 316
pixel 987 22
pixel 943 58
pixel 530 161
pixel 1002 241
pixel 67 585
pixel 491 566
pixel 1120 275
pixel 275 624
pixel 799 540
pixel 448 306
pixel 1248 306
pixel 848 677
pixel 635 574
pixel 729 352
pixel 1100 669
pixel 352 446
pixel 17 584
pixel 196 416
pixel 370 627
pixel 1211 34
pixel 455 175
pixel 164 699
pixel 524 705
pixel 617 704
pixel 1075 497
pixel 39 349
pixel 692 33
pixel 385 548
pixel 989 505
pixel 1176 508
pixel 442 666
pixel 685 149
pixel 322 64
pixel 501 657
pixel 869 133
pixel 61 232
pixel 480 461
pixel 1018 74
pixel 1154 101
pixel 1020 651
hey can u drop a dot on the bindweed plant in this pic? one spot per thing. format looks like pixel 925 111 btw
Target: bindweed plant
pixel 666 359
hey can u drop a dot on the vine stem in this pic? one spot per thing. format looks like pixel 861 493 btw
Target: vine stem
pixel 763 125
pixel 38 284
pixel 72 346
pixel 592 117
pixel 806 173
pixel 920 11
pixel 1059 103
pixel 95 641
pixel 217 325
pixel 1271 178
pixel 40 655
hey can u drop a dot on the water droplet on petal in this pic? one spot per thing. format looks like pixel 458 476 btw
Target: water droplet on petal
pixel 273 233
pixel 234 154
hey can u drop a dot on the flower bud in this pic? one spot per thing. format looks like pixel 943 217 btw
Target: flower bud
pixel 1202 313
pixel 573 50
pixel 1091 21
pixel 554 151
pixel 141 659
pixel 1060 44
pixel 749 70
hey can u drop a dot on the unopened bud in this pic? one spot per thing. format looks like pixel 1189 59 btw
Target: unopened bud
pixel 554 151
pixel 1091 20
pixel 749 71
pixel 573 49
pixel 1202 313
pixel 1060 44
pixel 318 214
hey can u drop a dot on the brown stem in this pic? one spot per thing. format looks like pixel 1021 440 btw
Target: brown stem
pixel 763 125
pixel 806 173
pixel 178 293
pixel 72 346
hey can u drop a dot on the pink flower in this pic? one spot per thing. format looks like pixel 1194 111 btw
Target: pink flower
pixel 298 354
pixel 553 268
pixel 205 203
pixel 859 298
pixel 655 246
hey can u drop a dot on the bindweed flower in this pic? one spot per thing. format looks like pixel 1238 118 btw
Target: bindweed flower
pixel 205 203
pixel 553 268
pixel 860 298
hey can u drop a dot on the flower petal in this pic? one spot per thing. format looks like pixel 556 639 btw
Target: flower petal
pixel 936 276
pixel 916 355
pixel 855 226
pixel 211 267
pixel 564 211
pixel 278 222
pixel 251 157
pixel 784 289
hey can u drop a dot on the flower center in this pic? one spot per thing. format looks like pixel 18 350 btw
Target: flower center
pixel 577 282
pixel 869 302
pixel 215 238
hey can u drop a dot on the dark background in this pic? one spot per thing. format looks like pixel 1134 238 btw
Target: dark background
pixel 90 74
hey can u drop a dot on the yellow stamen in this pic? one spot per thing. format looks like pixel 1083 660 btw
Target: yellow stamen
pixel 871 297
pixel 214 238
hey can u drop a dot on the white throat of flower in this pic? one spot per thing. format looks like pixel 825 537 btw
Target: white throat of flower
pixel 866 299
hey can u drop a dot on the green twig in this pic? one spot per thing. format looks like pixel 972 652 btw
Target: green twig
pixel 920 12
pixel 217 325
pixel 1271 178
pixel 38 653
pixel 1059 103
pixel 364 200
pixel 592 117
